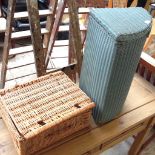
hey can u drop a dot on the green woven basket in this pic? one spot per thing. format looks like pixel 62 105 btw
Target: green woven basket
pixel 115 39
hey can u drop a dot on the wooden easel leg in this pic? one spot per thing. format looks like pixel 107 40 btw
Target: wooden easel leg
pixel 141 137
pixel 71 54
pixel 7 41
pixel 110 4
pixel 32 7
pixel 50 22
pixel 59 14
pixel 76 35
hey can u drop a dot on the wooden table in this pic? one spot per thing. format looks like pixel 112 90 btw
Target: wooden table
pixel 136 118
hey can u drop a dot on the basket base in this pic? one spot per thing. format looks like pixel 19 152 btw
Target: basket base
pixel 79 133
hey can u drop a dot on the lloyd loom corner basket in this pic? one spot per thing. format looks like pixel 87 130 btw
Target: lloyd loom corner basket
pixel 115 39
pixel 44 111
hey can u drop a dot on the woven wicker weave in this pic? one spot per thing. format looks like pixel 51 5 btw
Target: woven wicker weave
pixel 115 39
pixel 41 112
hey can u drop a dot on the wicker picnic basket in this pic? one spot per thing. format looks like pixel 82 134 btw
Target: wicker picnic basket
pixel 44 111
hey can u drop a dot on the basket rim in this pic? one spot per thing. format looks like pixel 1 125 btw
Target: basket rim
pixel 29 83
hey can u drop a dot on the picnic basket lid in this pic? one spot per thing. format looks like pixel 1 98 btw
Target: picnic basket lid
pixel 45 102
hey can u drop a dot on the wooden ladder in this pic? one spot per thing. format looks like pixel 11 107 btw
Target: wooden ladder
pixel 74 42
pixel 77 33
pixel 39 46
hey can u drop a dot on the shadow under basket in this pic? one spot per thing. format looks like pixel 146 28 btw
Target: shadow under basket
pixel 44 111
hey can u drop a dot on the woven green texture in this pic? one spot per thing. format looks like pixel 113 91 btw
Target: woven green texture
pixel 115 39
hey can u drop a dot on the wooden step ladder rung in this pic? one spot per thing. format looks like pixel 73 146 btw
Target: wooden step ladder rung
pixel 19 77
pixel 14 66
pixel 24 14
pixel 25 34
pixel 19 66
pixel 80 11
pixel 49 70
pixel 10 67
pixel 59 43
pixel 21 50
pixel 29 48
pixel 63 28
